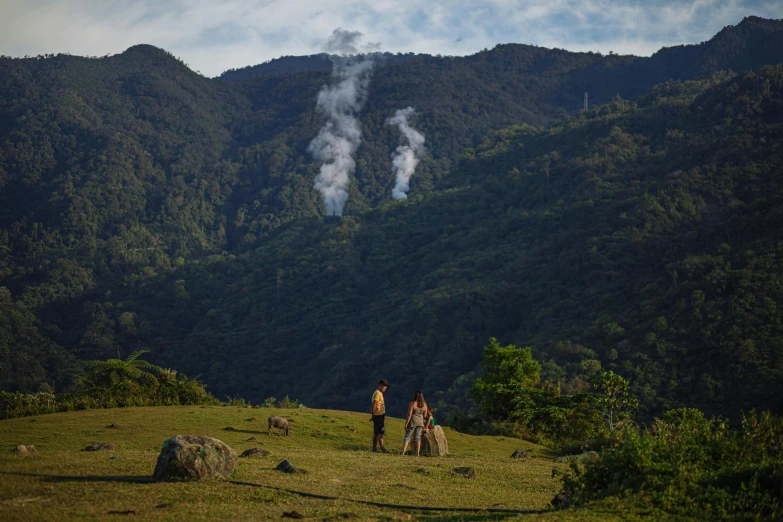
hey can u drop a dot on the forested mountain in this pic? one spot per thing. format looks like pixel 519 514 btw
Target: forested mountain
pixel 313 62
pixel 142 205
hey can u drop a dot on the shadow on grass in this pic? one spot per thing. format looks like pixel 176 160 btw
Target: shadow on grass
pixel 139 479
pixel 355 446
pixel 252 432
pixel 462 518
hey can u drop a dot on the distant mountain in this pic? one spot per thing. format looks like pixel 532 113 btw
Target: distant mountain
pixel 313 62
pixel 143 205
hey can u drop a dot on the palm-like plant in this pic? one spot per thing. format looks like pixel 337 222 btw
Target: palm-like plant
pixel 113 372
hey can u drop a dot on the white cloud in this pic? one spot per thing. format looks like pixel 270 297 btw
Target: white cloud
pixel 213 36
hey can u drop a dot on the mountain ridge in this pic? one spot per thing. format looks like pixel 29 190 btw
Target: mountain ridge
pixel 144 205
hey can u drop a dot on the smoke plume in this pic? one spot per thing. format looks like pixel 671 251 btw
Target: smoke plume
pixel 406 157
pixel 340 137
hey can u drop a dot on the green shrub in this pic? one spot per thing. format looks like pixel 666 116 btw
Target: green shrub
pixel 686 464
pixel 165 389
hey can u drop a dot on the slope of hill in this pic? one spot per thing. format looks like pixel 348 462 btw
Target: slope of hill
pixel 642 238
pixel 142 205
pixel 63 482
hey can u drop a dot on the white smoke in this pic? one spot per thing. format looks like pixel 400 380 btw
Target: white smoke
pixel 339 138
pixel 405 159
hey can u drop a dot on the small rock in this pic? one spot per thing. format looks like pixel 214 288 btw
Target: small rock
pixel 287 467
pixel 562 499
pixel 423 471
pixel 251 439
pixel 26 449
pixel 251 419
pixel 521 454
pixel 292 514
pixel 590 456
pixel 229 428
pixel 341 516
pixel 99 447
pixel 116 457
pixel 405 486
pixel 465 472
pixel 112 426
pixel 127 512
pixel 163 506
pixel 253 452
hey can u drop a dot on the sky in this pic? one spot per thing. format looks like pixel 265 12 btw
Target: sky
pixel 212 36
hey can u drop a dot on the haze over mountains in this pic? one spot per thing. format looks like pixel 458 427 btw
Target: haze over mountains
pixel 143 205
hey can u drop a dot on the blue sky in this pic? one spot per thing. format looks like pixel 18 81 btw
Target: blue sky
pixel 213 35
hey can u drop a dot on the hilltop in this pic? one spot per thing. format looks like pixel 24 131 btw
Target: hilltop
pixel 331 445
pixel 143 205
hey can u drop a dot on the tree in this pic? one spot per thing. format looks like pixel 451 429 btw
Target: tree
pixel 113 372
pixel 508 372
pixel 614 400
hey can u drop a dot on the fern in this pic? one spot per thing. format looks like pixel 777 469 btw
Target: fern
pixel 114 372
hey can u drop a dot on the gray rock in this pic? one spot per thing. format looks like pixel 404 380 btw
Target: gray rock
pixel 588 456
pixel 423 471
pixel 194 458
pixel 562 499
pixel 434 442
pixel 280 423
pixel 465 472
pixel 287 467
pixel 23 449
pixel 521 454
pixel 292 514
pixel 99 447
pixel 252 452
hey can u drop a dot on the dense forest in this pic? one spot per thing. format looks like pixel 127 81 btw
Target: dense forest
pixel 143 206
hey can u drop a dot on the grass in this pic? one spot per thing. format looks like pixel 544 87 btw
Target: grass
pixel 63 483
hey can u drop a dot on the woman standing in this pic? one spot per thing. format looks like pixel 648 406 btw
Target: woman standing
pixel 418 417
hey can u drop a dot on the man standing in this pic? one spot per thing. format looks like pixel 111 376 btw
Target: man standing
pixel 379 416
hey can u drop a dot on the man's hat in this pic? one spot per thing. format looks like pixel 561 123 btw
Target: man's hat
pixel 384 382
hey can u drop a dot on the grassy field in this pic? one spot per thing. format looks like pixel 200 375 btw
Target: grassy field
pixel 62 482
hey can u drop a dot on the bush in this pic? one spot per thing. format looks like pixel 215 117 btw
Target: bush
pixel 165 389
pixel 686 464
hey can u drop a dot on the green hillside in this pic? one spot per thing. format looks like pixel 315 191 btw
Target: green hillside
pixel 649 248
pixel 145 206
pixel 64 482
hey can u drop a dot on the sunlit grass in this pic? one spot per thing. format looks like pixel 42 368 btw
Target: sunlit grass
pixel 63 483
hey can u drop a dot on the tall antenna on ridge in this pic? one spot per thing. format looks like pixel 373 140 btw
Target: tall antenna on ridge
pixel 585 102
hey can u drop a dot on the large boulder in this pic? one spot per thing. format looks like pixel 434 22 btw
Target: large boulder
pixel 194 458
pixel 434 442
